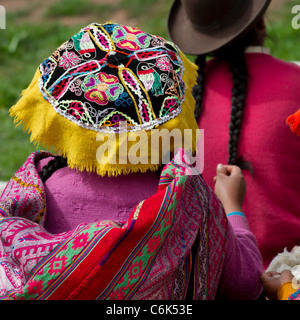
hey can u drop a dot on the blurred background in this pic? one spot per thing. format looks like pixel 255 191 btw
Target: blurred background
pixel 34 29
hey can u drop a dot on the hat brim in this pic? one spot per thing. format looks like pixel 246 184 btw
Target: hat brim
pixel 195 42
pixel 102 152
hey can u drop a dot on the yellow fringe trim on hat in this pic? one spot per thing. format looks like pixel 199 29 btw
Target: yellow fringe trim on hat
pixel 84 147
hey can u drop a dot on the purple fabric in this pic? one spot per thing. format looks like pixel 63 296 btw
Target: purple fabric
pixel 73 197
pixel 243 263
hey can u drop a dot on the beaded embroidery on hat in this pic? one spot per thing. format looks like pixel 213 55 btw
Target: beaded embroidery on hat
pixel 108 98
pixel 107 74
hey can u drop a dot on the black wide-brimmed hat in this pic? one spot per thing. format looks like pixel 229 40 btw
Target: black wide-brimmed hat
pixel 204 26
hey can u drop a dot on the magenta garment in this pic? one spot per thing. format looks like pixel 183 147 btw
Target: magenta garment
pixel 272 199
pixel 74 197
pixel 243 263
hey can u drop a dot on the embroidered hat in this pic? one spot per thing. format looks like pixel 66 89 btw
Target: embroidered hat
pixel 204 26
pixel 101 91
pixel 294 122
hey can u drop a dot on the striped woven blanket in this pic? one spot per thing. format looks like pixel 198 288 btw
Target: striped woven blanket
pixel 147 257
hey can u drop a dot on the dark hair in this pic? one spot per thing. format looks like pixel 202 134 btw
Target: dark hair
pixel 53 165
pixel 60 162
pixel 198 88
pixel 236 59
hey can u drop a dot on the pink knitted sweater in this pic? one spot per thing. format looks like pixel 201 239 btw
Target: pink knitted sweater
pixel 272 200
pixel 73 197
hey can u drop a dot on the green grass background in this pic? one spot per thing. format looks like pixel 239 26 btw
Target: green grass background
pixel 26 42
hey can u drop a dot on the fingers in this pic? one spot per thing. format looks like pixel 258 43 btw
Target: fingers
pixel 269 274
pixel 221 168
pixel 286 276
pixel 228 169
pixel 233 170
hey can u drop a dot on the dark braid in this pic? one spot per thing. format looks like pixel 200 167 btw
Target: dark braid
pixel 53 165
pixel 198 88
pixel 238 67
pixel 239 90
pixel 236 58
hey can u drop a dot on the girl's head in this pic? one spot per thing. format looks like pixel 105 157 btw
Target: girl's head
pixel 223 29
pixel 204 26
pixel 102 95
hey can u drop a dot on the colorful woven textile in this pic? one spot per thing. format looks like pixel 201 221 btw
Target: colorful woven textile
pixel 146 257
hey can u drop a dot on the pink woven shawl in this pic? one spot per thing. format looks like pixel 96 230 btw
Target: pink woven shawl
pixel 147 257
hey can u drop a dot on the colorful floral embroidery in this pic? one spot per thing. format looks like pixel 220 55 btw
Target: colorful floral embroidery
pixel 109 73
pixel 68 59
pixel 101 88
pixel 83 44
pixel 130 38
pixel 164 64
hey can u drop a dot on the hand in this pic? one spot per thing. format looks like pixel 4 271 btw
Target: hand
pixel 272 281
pixel 230 187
